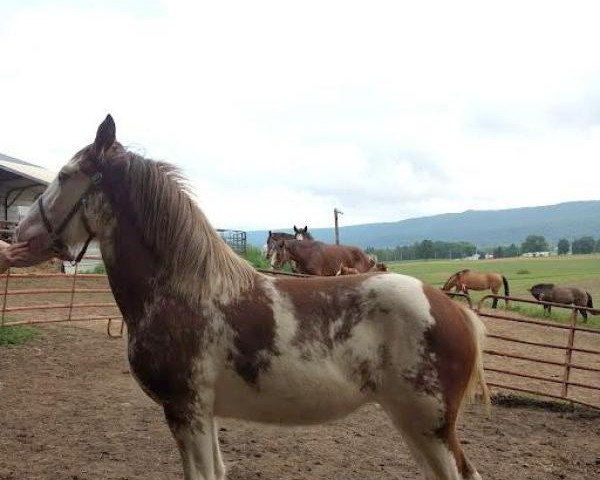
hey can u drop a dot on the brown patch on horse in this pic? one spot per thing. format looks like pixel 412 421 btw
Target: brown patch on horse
pixel 165 372
pixel 327 309
pixel 451 340
pixel 253 323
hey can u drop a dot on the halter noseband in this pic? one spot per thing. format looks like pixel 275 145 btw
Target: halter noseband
pixel 57 245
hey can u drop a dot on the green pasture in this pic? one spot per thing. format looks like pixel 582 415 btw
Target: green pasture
pixel 15 335
pixel 578 270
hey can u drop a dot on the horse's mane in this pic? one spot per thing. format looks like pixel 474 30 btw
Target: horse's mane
pixel 453 276
pixel 196 260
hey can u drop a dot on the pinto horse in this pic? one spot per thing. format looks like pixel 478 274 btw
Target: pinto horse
pixel 549 292
pixel 466 280
pixel 209 336
pixel 317 258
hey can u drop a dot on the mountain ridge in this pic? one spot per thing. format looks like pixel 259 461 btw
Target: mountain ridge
pixel 485 228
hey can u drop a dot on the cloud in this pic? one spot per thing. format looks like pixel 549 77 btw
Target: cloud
pixel 280 112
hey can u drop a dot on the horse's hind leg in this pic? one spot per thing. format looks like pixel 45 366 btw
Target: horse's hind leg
pixel 430 434
pixel 195 436
pixel 584 315
pixel 495 301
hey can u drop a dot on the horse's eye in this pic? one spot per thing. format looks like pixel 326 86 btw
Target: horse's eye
pixel 62 177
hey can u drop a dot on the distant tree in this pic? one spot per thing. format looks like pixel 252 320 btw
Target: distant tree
pixel 511 251
pixel 563 246
pixel 585 244
pixel 499 252
pixel 534 243
pixel 598 245
pixel 425 249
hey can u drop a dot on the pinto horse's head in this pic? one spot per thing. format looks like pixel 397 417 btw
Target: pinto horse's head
pixel 63 218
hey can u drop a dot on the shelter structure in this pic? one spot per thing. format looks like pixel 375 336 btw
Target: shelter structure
pixel 21 183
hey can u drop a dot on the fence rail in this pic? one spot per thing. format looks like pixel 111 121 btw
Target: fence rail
pixel 86 299
pixel 20 288
pixel 572 332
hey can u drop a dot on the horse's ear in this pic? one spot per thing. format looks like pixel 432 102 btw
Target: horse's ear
pixel 296 230
pixel 305 229
pixel 105 136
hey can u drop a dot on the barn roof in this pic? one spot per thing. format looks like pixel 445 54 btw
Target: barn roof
pixel 13 169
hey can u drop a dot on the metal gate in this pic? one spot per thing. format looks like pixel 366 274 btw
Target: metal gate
pixel 521 357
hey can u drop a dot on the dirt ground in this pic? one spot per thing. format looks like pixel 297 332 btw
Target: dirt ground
pixel 71 410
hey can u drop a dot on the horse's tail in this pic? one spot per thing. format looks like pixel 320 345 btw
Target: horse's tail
pixel 477 380
pixel 590 304
pixel 506 289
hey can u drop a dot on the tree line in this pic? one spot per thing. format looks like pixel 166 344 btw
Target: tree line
pixel 429 249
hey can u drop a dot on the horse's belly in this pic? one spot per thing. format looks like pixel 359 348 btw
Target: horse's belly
pixel 290 394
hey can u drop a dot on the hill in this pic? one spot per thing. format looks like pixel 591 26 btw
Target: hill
pixel 481 227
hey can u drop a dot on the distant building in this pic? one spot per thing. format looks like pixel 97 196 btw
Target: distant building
pixel 536 254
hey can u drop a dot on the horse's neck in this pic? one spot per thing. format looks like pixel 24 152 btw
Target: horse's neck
pixel 131 270
pixel 137 267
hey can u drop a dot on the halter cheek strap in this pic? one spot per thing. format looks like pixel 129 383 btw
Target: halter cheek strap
pixel 57 243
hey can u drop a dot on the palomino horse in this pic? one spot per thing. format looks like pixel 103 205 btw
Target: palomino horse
pixel 318 258
pixel 548 292
pixel 210 336
pixel 466 280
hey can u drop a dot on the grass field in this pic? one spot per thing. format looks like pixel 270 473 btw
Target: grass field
pixel 522 273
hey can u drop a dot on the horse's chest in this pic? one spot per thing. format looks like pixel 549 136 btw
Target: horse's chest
pixel 164 351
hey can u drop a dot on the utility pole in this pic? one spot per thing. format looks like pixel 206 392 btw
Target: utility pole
pixel 337 212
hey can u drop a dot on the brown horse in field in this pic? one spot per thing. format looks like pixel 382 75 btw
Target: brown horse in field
pixel 209 336
pixel 317 258
pixel 466 280
pixel 549 292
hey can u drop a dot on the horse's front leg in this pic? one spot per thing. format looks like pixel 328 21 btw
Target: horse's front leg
pixel 195 432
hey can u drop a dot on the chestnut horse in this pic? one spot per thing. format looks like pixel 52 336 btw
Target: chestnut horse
pixel 549 292
pixel 274 237
pixel 317 258
pixel 466 280
pixel 209 336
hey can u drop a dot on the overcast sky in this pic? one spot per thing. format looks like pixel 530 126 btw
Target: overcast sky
pixel 280 111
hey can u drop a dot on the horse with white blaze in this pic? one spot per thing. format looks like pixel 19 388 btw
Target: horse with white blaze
pixel 209 336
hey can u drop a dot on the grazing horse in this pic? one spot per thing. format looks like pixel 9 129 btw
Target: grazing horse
pixel 466 280
pixel 209 336
pixel 549 292
pixel 317 258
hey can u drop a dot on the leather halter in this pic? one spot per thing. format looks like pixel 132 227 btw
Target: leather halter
pixel 57 244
